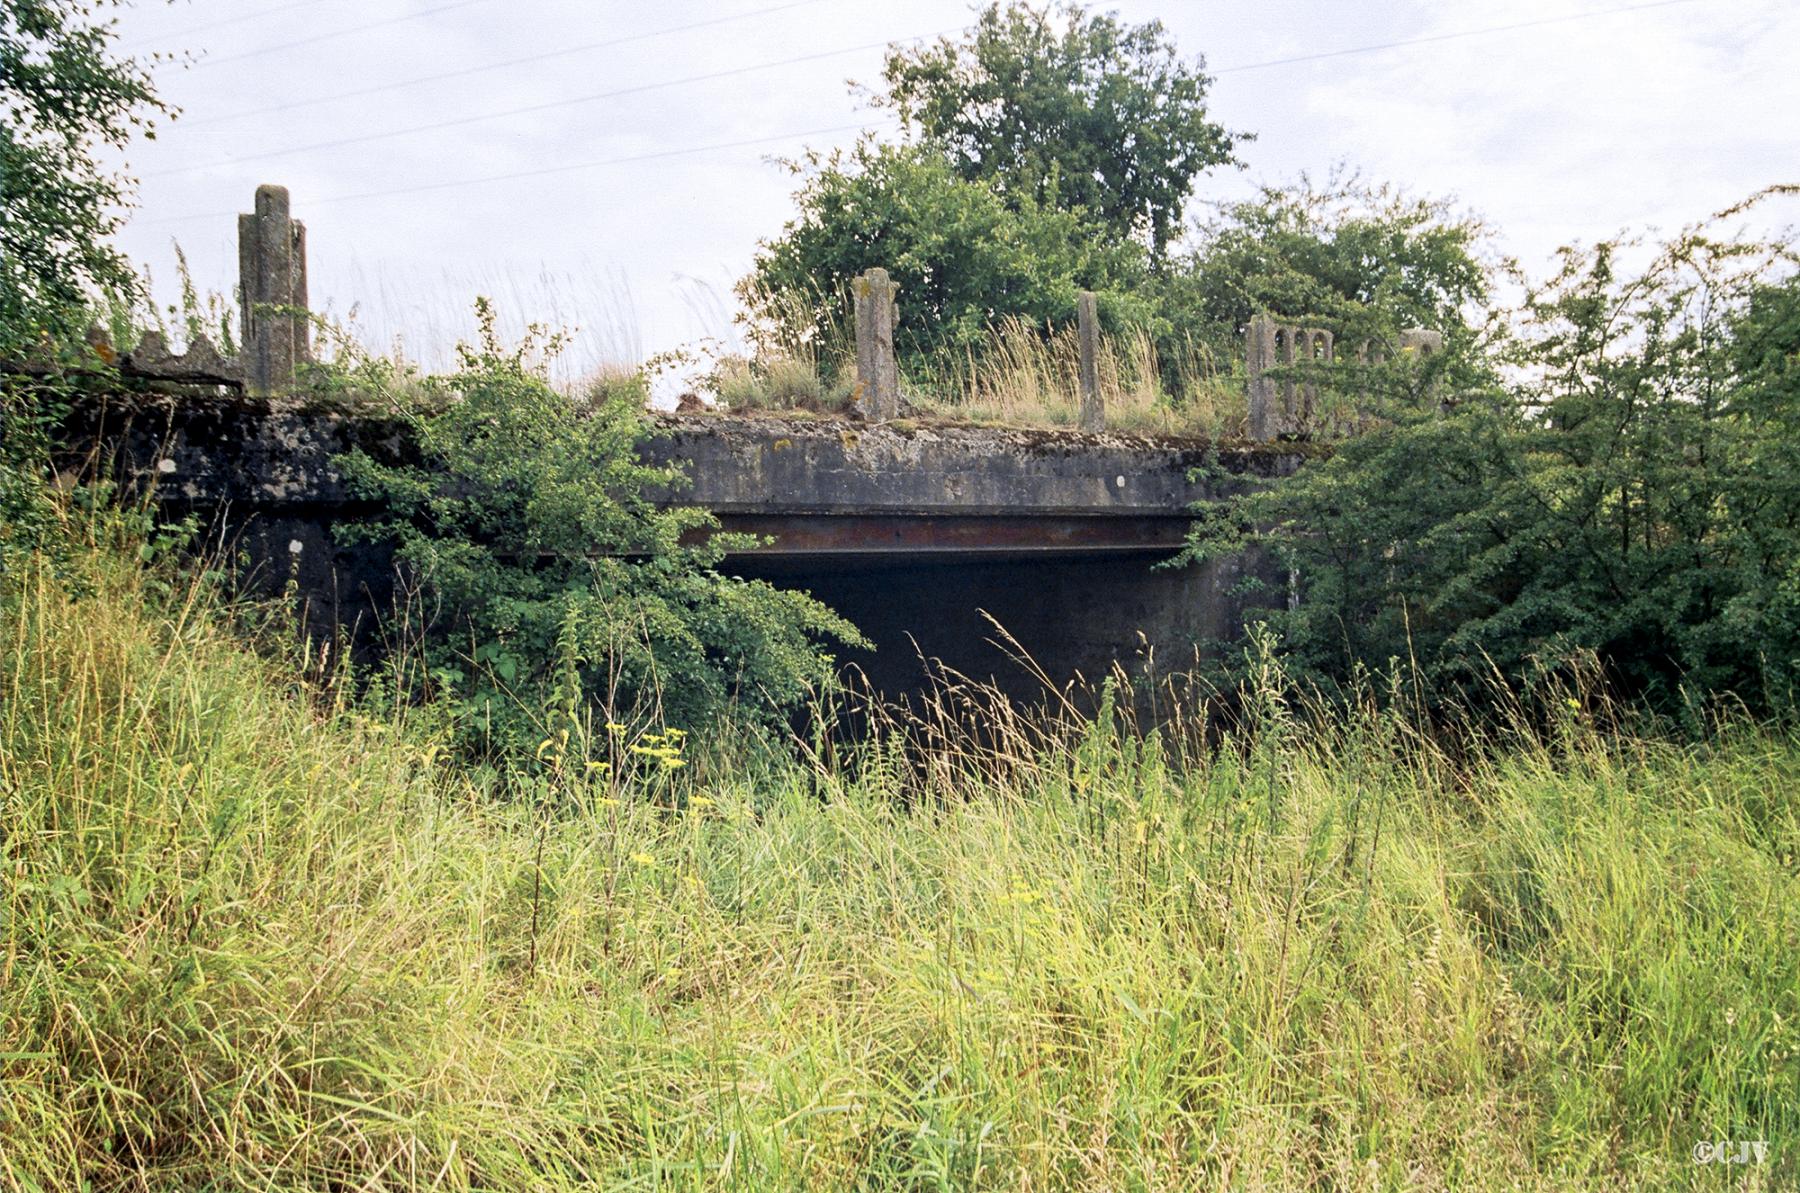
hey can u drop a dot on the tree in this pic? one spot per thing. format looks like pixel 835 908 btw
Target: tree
pixel 1363 260
pixel 64 93
pixel 962 256
pixel 1058 108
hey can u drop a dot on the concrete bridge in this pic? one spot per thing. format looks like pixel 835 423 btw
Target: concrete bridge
pixel 917 533
pixel 924 535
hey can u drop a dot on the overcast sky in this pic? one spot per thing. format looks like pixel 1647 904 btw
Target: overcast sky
pixel 1554 130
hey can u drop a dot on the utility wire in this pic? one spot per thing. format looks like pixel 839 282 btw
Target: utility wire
pixel 237 20
pixel 487 66
pixel 332 35
pixel 433 186
pixel 461 121
pixel 547 170
pixel 1437 37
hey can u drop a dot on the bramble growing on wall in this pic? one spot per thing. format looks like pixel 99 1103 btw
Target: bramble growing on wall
pixel 556 588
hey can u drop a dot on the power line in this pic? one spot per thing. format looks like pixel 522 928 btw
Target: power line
pixel 812 132
pixel 1437 37
pixel 475 70
pixel 237 20
pixel 337 33
pixel 562 169
pixel 543 107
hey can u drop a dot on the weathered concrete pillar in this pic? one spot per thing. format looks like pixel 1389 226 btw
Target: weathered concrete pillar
pixel 1259 358
pixel 272 293
pixel 1282 421
pixel 877 372
pixel 1317 352
pixel 1087 330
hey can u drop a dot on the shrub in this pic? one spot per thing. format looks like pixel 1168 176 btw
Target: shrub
pixel 559 589
pixel 66 94
pixel 1618 476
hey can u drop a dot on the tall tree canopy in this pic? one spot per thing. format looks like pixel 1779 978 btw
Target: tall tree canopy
pixel 1063 108
pixel 961 255
pixel 63 94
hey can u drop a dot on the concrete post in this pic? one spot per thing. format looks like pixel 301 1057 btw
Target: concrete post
pixel 1259 358
pixel 877 372
pixel 272 273
pixel 1318 351
pixel 1087 330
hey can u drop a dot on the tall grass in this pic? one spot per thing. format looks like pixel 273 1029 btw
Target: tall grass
pixel 1027 375
pixel 253 937
pixel 1021 373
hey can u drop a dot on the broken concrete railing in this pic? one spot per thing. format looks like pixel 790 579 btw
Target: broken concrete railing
pixel 1282 409
pixel 274 323
pixel 1284 400
pixel 201 364
pixel 877 372
pixel 1087 331
pixel 272 285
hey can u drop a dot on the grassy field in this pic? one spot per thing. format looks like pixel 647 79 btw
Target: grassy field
pixel 254 938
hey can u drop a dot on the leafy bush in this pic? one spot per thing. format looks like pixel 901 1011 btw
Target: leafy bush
pixel 1359 259
pixel 1618 475
pixel 558 589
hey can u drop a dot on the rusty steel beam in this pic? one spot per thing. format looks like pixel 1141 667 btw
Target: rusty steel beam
pixel 952 534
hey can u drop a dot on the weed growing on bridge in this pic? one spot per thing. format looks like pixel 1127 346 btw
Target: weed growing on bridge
pixel 253 937
pixel 1025 375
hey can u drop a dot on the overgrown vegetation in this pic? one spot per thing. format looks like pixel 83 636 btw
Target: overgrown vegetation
pixel 1359 259
pixel 268 924
pixel 1613 473
pixel 251 937
pixel 558 595
pixel 1052 150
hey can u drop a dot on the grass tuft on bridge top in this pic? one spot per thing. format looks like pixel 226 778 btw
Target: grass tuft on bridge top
pixel 253 937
